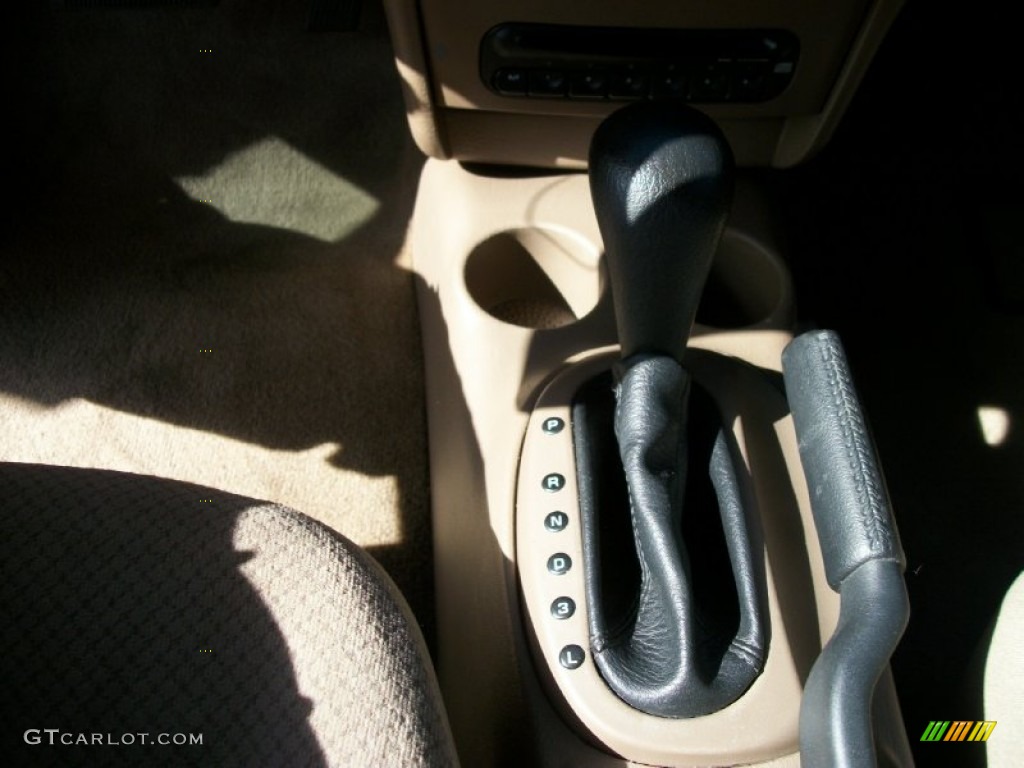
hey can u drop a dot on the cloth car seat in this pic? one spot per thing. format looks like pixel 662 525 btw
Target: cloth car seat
pixel 140 614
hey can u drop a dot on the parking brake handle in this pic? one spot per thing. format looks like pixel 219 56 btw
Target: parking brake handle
pixel 860 546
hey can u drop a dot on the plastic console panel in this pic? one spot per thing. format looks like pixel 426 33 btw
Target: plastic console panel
pixel 514 316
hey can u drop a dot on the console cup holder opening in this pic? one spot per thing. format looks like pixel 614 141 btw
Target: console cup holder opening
pixel 748 286
pixel 535 277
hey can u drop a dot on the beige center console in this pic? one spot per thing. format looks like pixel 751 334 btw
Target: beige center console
pixel 517 316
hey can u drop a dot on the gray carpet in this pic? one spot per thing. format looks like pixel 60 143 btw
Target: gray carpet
pixel 201 271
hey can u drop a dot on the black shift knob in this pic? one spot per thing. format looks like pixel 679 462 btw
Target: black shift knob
pixel 661 175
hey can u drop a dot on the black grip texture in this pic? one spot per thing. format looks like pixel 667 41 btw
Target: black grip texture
pixel 849 498
pixel 661 176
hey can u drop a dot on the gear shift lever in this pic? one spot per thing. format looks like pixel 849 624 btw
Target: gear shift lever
pixel 661 175
pixel 685 637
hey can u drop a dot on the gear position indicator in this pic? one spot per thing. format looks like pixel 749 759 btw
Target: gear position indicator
pixel 553 483
pixel 559 563
pixel 553 425
pixel 563 608
pixel 571 657
pixel 556 521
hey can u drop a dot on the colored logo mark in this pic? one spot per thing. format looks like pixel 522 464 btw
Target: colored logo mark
pixel 958 730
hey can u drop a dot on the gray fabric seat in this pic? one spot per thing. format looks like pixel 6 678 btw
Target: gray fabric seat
pixel 133 605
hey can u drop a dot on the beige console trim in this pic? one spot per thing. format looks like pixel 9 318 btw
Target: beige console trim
pixel 763 724
pixel 804 135
pixel 481 376
pixel 407 40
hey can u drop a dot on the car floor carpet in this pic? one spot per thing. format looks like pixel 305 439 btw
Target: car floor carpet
pixel 202 268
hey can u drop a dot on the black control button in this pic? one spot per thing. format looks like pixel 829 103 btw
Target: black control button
pixel 629 83
pixel 553 483
pixel 770 43
pixel 548 82
pixel 781 73
pixel 510 81
pixel 556 521
pixel 749 79
pixel 559 563
pixel 670 82
pixel 588 85
pixel 571 657
pixel 553 426
pixel 563 607
pixel 783 68
pixel 711 81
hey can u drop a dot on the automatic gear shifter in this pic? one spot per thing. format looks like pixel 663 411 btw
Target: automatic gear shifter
pixel 685 637
pixel 661 178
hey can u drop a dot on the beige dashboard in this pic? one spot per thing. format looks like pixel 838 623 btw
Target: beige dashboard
pixel 454 112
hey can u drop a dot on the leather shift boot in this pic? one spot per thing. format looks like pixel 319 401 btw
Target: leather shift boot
pixel 676 625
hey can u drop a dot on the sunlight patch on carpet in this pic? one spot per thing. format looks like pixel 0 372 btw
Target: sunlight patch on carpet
pixel 80 433
pixel 273 184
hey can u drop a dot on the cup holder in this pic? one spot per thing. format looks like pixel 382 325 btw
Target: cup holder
pixel 535 277
pixel 748 286
pixel 546 277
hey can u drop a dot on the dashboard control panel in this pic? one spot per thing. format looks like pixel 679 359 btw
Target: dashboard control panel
pixel 551 61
